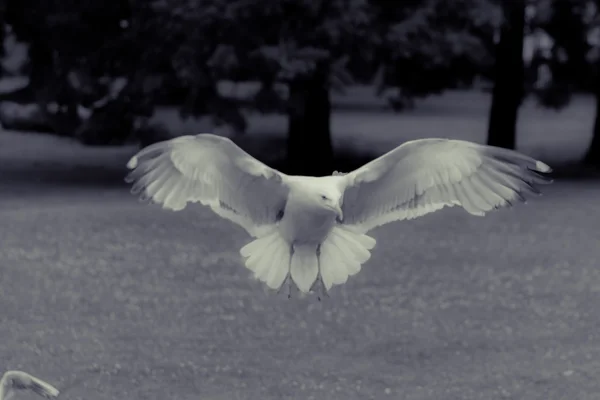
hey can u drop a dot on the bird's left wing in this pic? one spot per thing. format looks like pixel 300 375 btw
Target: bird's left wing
pixel 423 176
pixel 213 171
pixel 24 381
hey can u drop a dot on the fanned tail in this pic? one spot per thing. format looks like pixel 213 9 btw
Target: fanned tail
pixel 271 259
pixel 342 255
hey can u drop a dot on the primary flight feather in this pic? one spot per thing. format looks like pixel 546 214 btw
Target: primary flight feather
pixel 310 230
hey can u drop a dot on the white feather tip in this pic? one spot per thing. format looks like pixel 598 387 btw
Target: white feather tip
pixel 542 167
pixel 133 162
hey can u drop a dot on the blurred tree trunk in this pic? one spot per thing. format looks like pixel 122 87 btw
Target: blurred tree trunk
pixel 508 77
pixel 3 9
pixel 42 62
pixel 309 148
pixel 592 157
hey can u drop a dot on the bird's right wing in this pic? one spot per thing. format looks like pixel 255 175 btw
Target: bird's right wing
pixel 213 171
pixel 24 381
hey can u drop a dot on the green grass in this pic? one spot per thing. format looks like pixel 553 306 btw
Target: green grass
pixel 109 298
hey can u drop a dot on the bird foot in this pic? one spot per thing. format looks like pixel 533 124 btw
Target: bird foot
pixel 288 283
pixel 319 288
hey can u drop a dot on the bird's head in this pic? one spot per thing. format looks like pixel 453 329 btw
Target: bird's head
pixel 331 200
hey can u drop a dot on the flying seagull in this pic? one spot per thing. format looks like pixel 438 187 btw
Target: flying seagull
pixel 17 380
pixel 312 231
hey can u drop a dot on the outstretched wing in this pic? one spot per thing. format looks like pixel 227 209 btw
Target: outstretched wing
pixel 214 171
pixel 423 176
pixel 19 380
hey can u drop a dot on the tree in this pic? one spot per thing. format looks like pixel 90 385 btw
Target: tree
pixel 314 47
pixel 509 77
pixel 592 156
pixel 62 38
pixel 311 46
pixel 591 18
pixel 434 45
pixel 307 48
pixel 564 22
pixel 302 44
pixel 575 63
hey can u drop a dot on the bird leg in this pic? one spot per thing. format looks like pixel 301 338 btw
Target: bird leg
pixel 287 282
pixel 283 284
pixel 315 287
pixel 318 286
pixel 289 278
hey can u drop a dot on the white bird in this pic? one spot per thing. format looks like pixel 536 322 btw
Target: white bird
pixel 310 230
pixel 18 380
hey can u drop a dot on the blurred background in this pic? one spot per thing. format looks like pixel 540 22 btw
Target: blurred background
pixel 108 298
pixel 329 81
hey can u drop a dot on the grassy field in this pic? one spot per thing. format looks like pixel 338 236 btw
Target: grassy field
pixel 108 298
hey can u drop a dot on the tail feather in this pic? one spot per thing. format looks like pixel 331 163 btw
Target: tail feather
pixel 257 252
pixel 346 242
pixel 258 245
pixel 347 232
pixel 333 267
pixel 304 267
pixel 342 254
pixel 345 254
pixel 279 267
pixel 268 257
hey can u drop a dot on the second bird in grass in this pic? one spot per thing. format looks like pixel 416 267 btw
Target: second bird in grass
pixel 13 381
pixel 311 230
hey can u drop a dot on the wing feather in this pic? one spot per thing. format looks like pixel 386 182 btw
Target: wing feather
pixel 213 171
pixel 423 176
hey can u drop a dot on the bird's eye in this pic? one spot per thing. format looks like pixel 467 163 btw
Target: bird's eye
pixel 323 197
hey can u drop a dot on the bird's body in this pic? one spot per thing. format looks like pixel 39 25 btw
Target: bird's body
pixel 304 221
pixel 18 380
pixel 294 246
pixel 311 230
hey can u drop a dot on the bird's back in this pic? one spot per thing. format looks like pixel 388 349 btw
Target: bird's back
pixel 323 183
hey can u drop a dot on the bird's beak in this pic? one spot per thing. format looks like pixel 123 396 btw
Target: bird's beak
pixel 340 213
